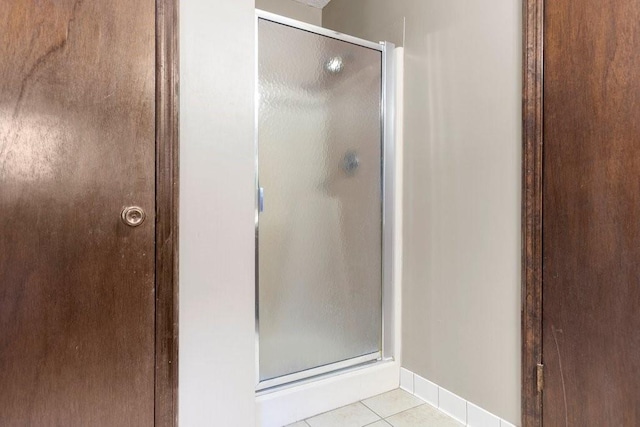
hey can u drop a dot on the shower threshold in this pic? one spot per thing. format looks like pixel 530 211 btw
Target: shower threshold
pixel 320 372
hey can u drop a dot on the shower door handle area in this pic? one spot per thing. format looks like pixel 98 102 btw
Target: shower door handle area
pixel 260 199
pixel 319 245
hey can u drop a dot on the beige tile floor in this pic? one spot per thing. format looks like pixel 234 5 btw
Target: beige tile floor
pixel 396 408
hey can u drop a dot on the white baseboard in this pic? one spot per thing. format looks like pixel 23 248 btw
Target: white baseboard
pixel 449 403
pixel 293 404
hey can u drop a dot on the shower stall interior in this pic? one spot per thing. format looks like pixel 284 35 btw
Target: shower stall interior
pixel 324 209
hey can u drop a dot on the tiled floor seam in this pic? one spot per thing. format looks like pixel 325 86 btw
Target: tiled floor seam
pixel 405 410
pixel 367 406
pixel 380 419
pixel 375 422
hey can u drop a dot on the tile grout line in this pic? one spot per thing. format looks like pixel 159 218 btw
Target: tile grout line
pixel 377 421
pixel 438 389
pixel 331 410
pixel 394 414
pixel 408 409
pixel 367 406
pixel 381 418
pixel 360 401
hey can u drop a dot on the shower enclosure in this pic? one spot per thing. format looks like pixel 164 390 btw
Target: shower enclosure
pixel 323 215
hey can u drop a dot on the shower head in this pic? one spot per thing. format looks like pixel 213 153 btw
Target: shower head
pixel 334 65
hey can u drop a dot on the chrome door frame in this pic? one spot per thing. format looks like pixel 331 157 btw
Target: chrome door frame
pixel 387 123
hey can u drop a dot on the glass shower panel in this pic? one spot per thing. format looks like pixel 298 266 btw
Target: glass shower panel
pixel 320 224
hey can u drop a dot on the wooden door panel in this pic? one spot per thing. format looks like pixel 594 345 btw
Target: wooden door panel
pixel 591 213
pixel 77 106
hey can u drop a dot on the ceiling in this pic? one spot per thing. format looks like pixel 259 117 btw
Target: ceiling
pixel 315 3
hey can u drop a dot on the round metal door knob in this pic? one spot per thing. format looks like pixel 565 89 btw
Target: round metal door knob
pixel 133 216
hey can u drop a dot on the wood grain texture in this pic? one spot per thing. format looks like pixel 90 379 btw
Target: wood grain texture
pixel 167 161
pixel 532 211
pixel 77 132
pixel 591 218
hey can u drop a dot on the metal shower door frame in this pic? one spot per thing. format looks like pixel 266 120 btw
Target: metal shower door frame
pixel 388 171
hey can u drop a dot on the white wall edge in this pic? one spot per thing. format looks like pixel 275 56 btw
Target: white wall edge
pixel 399 192
pixel 474 415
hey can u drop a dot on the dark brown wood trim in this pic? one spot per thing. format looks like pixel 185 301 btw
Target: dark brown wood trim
pixel 532 112
pixel 167 60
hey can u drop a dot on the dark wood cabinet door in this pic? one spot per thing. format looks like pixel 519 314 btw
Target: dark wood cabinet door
pixel 77 112
pixel 591 213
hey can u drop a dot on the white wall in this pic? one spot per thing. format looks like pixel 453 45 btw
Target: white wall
pixel 216 361
pixel 292 9
pixel 462 133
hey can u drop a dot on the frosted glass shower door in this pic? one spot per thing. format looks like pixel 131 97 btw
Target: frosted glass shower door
pixel 320 219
